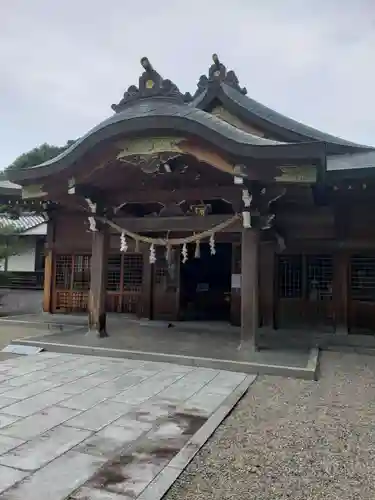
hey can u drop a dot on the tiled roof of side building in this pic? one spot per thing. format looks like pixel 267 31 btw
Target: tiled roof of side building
pixel 22 223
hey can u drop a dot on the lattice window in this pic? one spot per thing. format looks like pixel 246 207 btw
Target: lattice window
pixel 79 302
pixel 362 278
pixel 62 301
pixel 81 272
pixel 290 276
pixel 161 271
pixel 319 270
pixel 305 276
pixel 167 275
pixel 114 273
pixel 133 272
pixel 63 272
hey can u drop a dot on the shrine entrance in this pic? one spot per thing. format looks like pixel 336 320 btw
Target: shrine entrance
pixel 131 202
pixel 205 284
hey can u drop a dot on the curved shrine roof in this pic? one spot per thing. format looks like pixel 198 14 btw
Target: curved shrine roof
pixel 157 107
pixel 172 118
pixel 224 86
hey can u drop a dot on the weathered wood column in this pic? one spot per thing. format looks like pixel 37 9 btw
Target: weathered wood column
pixel 145 303
pixel 48 267
pixel 98 280
pixel 249 285
pixel 267 284
pixel 340 281
pixel 340 291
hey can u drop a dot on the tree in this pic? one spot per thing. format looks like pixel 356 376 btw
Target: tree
pixel 38 155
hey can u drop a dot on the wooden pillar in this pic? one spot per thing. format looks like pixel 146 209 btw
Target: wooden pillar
pixel 49 267
pixel 144 307
pixel 98 281
pixel 249 285
pixel 340 291
pixel 267 284
pixel 235 301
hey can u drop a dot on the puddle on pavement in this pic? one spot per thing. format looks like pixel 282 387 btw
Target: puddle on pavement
pixel 131 471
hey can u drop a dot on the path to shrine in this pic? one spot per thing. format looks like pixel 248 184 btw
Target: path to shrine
pixel 85 427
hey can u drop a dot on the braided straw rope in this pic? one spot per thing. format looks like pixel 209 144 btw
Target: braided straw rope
pixel 172 241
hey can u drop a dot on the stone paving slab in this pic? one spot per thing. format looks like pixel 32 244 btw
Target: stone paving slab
pixel 79 427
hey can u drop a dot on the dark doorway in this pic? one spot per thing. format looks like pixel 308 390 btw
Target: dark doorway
pixel 205 284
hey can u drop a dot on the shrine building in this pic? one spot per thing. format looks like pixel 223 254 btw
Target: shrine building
pixel 209 206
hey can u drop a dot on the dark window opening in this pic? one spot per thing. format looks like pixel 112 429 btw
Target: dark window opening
pixel 305 276
pixel 362 278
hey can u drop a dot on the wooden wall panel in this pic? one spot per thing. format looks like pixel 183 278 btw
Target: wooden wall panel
pixel 72 234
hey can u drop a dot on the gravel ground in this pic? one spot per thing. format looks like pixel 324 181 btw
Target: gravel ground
pixel 293 439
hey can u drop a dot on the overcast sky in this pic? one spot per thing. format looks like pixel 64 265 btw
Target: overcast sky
pixel 64 62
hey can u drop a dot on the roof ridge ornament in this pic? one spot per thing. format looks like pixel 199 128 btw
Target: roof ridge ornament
pixel 218 73
pixel 151 84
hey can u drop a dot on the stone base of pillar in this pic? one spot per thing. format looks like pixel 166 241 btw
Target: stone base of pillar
pixel 341 330
pixel 248 345
pixel 99 328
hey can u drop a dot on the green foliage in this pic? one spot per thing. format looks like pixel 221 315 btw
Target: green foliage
pixel 38 155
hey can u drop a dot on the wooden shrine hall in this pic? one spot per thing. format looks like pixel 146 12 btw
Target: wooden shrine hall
pixel 209 206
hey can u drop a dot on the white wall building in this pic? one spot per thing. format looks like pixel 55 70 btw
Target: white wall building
pixel 28 257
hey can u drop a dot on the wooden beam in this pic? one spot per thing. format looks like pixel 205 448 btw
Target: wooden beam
pixel 98 281
pixel 228 193
pixel 320 245
pixel 249 286
pixel 181 224
pixel 212 158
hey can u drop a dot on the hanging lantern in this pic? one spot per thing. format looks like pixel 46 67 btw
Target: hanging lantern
pixel 123 243
pixel 212 244
pixel 184 253
pixel 152 254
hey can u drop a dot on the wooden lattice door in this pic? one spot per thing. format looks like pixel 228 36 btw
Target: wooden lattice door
pixel 305 291
pixel 362 294
pixel 124 282
pixel 166 286
pixel 72 283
